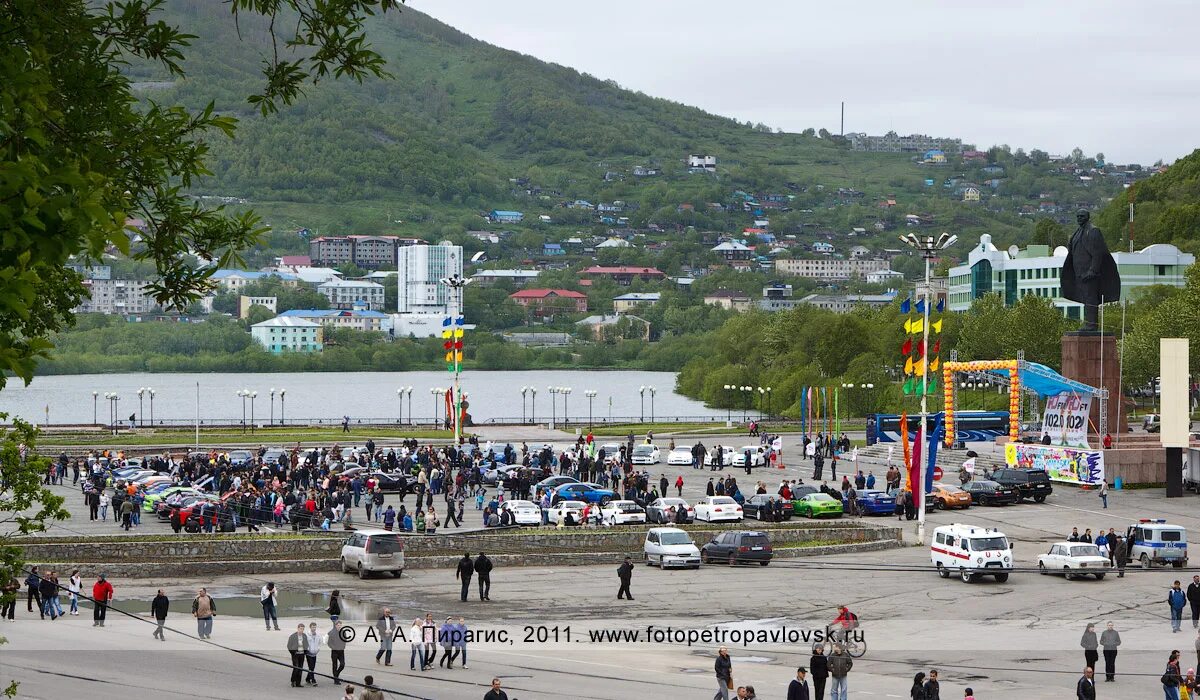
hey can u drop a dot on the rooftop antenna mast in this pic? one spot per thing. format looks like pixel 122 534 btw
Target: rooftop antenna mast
pixel 842 130
pixel 1132 199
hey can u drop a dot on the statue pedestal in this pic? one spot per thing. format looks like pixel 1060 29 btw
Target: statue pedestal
pixel 1091 358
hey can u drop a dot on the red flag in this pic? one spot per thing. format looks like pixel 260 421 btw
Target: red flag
pixel 937 347
pixel 906 349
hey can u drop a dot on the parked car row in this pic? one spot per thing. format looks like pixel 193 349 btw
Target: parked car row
pixel 671 547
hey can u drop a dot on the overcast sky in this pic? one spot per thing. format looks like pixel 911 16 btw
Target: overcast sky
pixel 1122 78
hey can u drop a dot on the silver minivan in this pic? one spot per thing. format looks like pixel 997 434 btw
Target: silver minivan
pixel 370 550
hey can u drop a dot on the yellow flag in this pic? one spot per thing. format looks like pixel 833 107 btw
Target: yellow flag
pixel 934 365
pixel 919 369
pixel 936 327
pixel 918 326
pixel 446 335
pixel 908 365
pixel 458 332
pixel 908 326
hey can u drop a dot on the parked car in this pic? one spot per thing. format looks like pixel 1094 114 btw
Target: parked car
pixel 240 458
pixel 524 512
pixel 1073 559
pixel 758 456
pixel 659 511
pixel 680 457
pixel 930 501
pixel 155 495
pixel 646 454
pixel 552 482
pixel 612 451
pixel 755 506
pixel 368 551
pixel 622 513
pixel 989 493
pixel 670 546
pixel 948 496
pixel 710 457
pixel 571 512
pixel 803 490
pixel 272 454
pixel 818 505
pixel 738 547
pixel 875 503
pixel 592 493
pixel 393 482
pixel 718 509
pixel 1030 483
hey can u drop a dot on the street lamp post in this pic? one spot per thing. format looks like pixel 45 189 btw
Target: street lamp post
pixel 553 404
pixel 400 398
pixel 457 284
pixel 141 390
pixel 532 405
pixel 112 399
pixel 746 390
pixel 282 420
pixel 566 394
pixel 242 394
pixel 253 395
pixel 762 399
pixel 652 391
pixel 591 396
pixel 642 412
pixel 95 401
pixel 434 392
pixel 408 394
pixel 524 393
pixel 151 392
pixel 929 248
pixel 272 406
pixel 770 413
pixel 729 400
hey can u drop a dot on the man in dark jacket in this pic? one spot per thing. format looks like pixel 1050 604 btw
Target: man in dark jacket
pixel 798 688
pixel 840 664
pixel 933 689
pixel 1085 688
pixel 1193 598
pixel 466 569
pixel 723 667
pixel 625 573
pixel 337 650
pixel 819 664
pixel 159 608
pixel 297 645
pixel 32 595
pixel 483 567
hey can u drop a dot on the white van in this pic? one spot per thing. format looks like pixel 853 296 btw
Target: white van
pixel 670 546
pixel 1154 542
pixel 971 551
pixel 370 550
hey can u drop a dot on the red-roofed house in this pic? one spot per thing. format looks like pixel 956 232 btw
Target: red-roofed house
pixel 547 302
pixel 295 261
pixel 625 275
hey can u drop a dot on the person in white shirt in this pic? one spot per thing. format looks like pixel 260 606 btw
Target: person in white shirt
pixel 269 597
pixel 310 653
pixel 75 585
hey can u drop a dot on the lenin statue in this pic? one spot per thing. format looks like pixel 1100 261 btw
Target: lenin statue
pixel 1089 275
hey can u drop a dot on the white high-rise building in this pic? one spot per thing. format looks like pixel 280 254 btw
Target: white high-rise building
pixel 421 269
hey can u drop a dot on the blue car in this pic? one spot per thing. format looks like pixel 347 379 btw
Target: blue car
pixel 592 493
pixel 875 503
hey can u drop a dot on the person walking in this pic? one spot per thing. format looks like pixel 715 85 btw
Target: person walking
pixel 269 597
pixel 679 485
pixel 416 645
pixel 33 593
pixel 102 595
pixel 723 667
pixel 386 627
pixel 1104 494
pixel 159 607
pixel 1175 600
pixel 625 574
pixel 819 665
pixel 311 650
pixel 1171 677
pixel 917 691
pixel 464 572
pixel 1110 639
pixel 1090 644
pixel 798 688
pixel 297 644
pixel 840 664
pixel 1085 687
pixel 495 693
pixel 74 588
pixel 335 605
pixel 483 569
pixel 204 609
pixel 337 651
pixel 1193 598
pixel 933 689
pixel 1119 551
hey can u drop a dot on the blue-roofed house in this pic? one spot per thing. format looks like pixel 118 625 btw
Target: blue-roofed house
pixel 235 280
pixel 935 156
pixel 553 249
pixel 502 216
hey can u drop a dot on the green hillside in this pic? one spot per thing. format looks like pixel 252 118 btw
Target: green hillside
pixel 462 122
pixel 1167 209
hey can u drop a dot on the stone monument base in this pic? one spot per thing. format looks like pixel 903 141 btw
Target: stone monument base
pixel 1091 357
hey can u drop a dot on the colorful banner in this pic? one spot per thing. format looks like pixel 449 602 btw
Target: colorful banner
pixel 1066 418
pixel 1063 464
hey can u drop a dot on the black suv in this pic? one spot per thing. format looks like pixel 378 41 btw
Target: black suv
pixel 1030 483
pixel 738 546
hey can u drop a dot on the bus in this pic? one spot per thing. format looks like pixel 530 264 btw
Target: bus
pixel 970 426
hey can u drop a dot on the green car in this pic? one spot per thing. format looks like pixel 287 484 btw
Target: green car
pixel 816 505
pixel 152 499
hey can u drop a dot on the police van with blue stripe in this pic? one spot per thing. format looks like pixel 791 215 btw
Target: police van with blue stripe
pixel 1154 542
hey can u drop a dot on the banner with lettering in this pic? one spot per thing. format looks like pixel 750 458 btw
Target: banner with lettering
pixel 1066 418
pixel 1066 464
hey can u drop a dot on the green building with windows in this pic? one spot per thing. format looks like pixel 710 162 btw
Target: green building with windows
pixel 1015 273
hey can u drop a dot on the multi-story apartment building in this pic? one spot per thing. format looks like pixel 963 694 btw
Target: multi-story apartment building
pixel 421 269
pixel 364 251
pixel 109 296
pixel 829 268
pixel 350 294
pixel 287 334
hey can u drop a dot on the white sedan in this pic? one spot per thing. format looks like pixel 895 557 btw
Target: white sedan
pixel 758 456
pixel 570 512
pixel 710 457
pixel 621 513
pixel 612 451
pixel 524 512
pixel 680 457
pixel 646 454
pixel 1074 559
pixel 718 509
